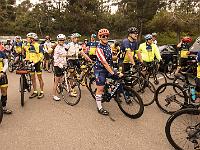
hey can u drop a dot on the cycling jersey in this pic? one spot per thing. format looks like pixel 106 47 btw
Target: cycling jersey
pixel 59 60
pixel 128 46
pixel 149 52
pixel 73 50
pixel 3 67
pixel 183 50
pixel 198 63
pixel 18 47
pixel 48 47
pixel 103 53
pixel 2 57
pixel 35 52
pixel 92 47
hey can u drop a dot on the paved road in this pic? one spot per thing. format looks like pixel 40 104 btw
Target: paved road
pixel 48 125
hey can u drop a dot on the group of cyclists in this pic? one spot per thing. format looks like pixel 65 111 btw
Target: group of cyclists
pixel 105 58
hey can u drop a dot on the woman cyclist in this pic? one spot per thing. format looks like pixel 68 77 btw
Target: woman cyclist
pixel 59 61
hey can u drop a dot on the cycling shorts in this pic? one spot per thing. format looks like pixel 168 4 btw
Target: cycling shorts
pixel 37 68
pixel 58 72
pixel 4 81
pixel 101 76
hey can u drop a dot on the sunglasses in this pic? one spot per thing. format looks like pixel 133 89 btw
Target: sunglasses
pixel 104 36
pixel 149 39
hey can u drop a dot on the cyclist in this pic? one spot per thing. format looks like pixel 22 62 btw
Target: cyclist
pixel 59 61
pixel 47 52
pixel 73 51
pixel 128 49
pixel 34 54
pixel 184 52
pixel 102 67
pixel 154 37
pixel 2 48
pixel 84 46
pixel 8 47
pixel 149 51
pixel 18 46
pixel 115 52
pixel 92 45
pixel 4 81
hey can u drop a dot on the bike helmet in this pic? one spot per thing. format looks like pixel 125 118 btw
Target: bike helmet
pixel 18 37
pixel 93 35
pixel 61 37
pixel 154 34
pixel 117 43
pixel 132 30
pixel 103 32
pixel 186 39
pixel 75 35
pixel 32 35
pixel 47 37
pixel 148 37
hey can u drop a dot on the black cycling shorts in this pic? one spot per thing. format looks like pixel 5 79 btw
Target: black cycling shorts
pixel 4 81
pixel 58 72
pixel 37 68
pixel 47 56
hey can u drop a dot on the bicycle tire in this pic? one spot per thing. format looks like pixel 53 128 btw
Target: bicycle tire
pixel 159 75
pixel 141 86
pixel 28 80
pixel 1 112
pixel 92 89
pixel 22 90
pixel 66 92
pixel 168 71
pixel 174 116
pixel 164 86
pixel 10 66
pixel 152 89
pixel 134 94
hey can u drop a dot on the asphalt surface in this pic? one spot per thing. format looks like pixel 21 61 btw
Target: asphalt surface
pixel 48 125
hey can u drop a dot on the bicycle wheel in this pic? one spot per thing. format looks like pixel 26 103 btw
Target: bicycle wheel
pixel 158 79
pixel 1 112
pixel 170 70
pixel 183 129
pixel 92 87
pixel 147 93
pixel 10 66
pixel 130 102
pixel 28 82
pixel 169 100
pixel 50 66
pixel 22 89
pixel 144 88
pixel 71 92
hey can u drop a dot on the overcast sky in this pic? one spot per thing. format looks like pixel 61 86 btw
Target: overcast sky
pixel 113 8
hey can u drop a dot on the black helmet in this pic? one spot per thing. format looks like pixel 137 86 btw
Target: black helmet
pixel 117 43
pixel 132 30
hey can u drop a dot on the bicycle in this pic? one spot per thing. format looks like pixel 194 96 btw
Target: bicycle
pixel 144 87
pixel 150 72
pixel 124 96
pixel 1 112
pixel 68 85
pixel 171 97
pixel 183 129
pixel 25 80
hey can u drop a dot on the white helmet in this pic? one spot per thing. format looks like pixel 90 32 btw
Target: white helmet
pixel 61 37
pixel 32 35
pixel 18 37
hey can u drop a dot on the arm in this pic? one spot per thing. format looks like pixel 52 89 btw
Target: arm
pixel 179 44
pixel 5 65
pixel 128 51
pixel 101 57
pixel 85 56
pixel 157 53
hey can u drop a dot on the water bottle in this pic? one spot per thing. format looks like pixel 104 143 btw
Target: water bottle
pixel 193 93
